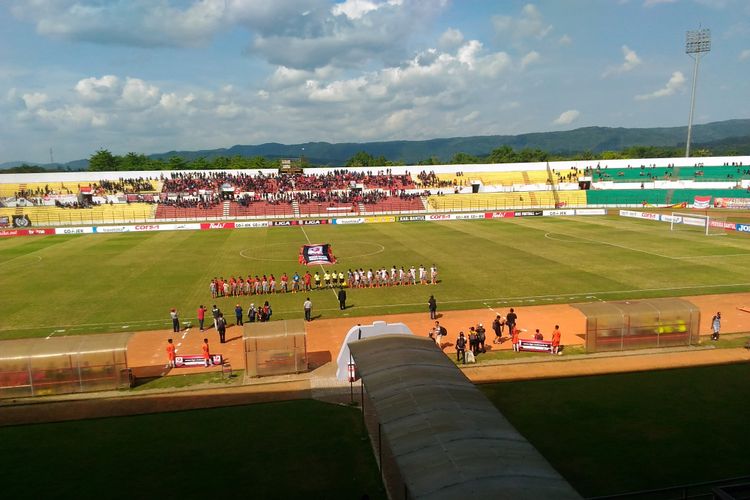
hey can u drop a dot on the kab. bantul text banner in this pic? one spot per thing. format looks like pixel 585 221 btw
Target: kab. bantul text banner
pixel 320 253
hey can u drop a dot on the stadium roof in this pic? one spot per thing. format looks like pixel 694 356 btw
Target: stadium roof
pixel 448 440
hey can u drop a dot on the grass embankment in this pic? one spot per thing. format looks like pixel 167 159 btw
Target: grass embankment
pixel 300 449
pixel 615 433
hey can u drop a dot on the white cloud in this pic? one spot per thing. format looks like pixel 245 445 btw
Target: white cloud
pixel 138 94
pixel 356 9
pixel 529 58
pixel 676 82
pixel 631 60
pixel 744 55
pixel 567 117
pixel 98 89
pixel 451 38
pixel 302 34
pixel 529 24
pixel 565 40
pixel 34 100
pixel 652 3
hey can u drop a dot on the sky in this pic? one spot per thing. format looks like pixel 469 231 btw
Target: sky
pixel 151 76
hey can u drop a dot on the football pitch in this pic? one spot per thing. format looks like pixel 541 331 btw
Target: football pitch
pixel 63 285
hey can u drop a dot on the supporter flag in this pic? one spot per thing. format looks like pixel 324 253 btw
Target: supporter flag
pixel 702 202
pixel 316 254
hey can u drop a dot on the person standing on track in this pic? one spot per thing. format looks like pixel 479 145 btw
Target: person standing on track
pixel 716 326
pixel 215 313
pixel 497 327
pixel 432 306
pixel 206 353
pixel 175 321
pixel 461 348
pixel 342 298
pixel 307 306
pixel 221 326
pixel 510 320
pixel 171 354
pixel 556 340
pixel 201 315
pixel 238 314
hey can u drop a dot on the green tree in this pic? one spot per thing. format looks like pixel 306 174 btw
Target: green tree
pixel 463 159
pixel 103 161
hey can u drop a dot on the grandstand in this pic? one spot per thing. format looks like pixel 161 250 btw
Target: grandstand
pixel 105 197
pixel 507 200
pixel 98 214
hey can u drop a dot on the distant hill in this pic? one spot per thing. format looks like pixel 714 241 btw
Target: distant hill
pixel 725 137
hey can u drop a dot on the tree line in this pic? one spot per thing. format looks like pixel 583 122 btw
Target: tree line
pixel 104 161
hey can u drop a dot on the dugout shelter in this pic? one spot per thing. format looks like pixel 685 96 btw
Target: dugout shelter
pixel 640 324
pixel 62 365
pixel 436 436
pixel 275 348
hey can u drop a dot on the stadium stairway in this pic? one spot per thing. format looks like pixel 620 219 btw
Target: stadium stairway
pixel 295 208
pixel 225 208
pixel 361 207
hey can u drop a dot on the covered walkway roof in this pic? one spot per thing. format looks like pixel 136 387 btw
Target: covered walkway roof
pixel 446 437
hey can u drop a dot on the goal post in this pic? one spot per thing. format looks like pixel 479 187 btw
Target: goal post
pixel 709 225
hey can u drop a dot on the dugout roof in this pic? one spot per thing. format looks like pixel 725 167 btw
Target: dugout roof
pixel 448 440
pixel 72 345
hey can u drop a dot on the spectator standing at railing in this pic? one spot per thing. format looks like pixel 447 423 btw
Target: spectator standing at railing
pixel 175 320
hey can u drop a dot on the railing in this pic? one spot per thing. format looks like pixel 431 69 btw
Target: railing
pixel 686 491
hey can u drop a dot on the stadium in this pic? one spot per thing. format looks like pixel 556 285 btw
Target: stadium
pixel 555 242
pixel 374 249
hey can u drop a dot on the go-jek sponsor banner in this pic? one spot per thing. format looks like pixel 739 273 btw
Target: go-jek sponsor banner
pixel 467 216
pixel 74 230
pixel 251 224
pixel 499 215
pixel 558 213
pixel 379 219
pixel 349 220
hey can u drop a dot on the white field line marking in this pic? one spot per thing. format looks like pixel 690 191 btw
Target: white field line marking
pixel 39 259
pixel 321 265
pixel 185 334
pixel 590 240
pixel 712 256
pixel 54 332
pixel 499 300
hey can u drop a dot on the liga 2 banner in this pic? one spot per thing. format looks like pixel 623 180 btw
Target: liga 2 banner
pixel 319 253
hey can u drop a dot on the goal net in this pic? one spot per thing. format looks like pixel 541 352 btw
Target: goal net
pixel 709 225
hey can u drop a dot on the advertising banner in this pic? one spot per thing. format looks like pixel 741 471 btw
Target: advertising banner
pixel 197 360
pixel 558 213
pixel 591 211
pixel 527 213
pixel 313 222
pixel 467 216
pixel 411 218
pixel 217 225
pixel 380 219
pixel 741 203
pixel 744 228
pixel 5 233
pixel 112 229
pixel 249 224
pixel 534 345
pixel 499 215
pixel 74 230
pixel 438 217
pixel 352 220
pixel 277 223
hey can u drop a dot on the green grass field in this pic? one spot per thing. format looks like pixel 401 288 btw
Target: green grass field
pixel 295 449
pixel 616 433
pixel 103 283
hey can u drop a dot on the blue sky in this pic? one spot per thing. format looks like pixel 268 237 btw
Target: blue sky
pixel 156 75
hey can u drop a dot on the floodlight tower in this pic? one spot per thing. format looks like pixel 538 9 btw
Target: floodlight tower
pixel 697 42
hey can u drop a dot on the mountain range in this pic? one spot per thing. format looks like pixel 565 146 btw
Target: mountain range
pixel 728 135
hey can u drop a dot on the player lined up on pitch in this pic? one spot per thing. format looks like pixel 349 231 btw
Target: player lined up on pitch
pixel 357 278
